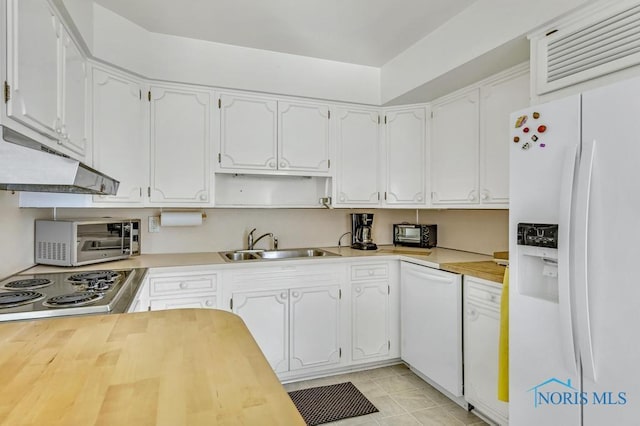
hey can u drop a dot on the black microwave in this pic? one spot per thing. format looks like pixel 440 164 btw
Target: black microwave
pixel 406 234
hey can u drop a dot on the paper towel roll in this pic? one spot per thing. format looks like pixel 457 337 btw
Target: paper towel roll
pixel 180 218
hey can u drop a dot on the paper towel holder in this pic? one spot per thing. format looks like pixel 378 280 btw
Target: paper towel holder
pixel 204 214
pixel 181 217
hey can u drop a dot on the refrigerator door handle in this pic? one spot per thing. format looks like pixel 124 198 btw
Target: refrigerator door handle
pixel 565 284
pixel 581 249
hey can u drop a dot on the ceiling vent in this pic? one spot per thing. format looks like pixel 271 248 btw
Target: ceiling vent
pixel 591 48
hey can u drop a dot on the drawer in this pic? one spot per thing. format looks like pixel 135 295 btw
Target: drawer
pixel 206 302
pixel 369 271
pixel 183 284
pixel 483 295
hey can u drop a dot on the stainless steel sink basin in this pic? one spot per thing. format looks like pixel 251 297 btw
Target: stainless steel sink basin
pixel 239 255
pixel 245 255
pixel 293 253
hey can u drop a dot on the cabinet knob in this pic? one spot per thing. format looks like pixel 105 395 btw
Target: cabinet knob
pixel 203 197
pixel 295 294
pixel 283 295
pixel 472 314
pixel 272 164
pixel 419 198
pixel 485 196
pixel 341 198
pixel 283 164
pixel 184 285
pixel 209 303
pixel 472 197
pixel 370 272
pixel 358 290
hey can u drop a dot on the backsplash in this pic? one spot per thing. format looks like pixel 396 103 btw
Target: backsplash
pixel 224 229
pixel 479 231
pixel 16 234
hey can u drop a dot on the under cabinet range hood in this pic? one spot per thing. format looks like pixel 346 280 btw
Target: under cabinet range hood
pixel 28 165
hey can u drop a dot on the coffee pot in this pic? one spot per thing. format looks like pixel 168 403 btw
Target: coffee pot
pixel 361 224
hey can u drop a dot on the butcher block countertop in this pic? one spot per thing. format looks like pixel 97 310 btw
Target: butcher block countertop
pixel 173 367
pixel 488 270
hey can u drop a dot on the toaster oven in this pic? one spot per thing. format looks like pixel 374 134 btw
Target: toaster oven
pixel 415 235
pixel 74 242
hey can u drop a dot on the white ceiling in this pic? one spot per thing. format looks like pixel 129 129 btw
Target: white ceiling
pixel 366 32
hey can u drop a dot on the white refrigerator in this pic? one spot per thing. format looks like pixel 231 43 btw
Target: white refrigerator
pixel 574 303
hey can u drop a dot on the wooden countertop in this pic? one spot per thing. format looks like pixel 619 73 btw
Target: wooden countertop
pixel 173 367
pixel 488 270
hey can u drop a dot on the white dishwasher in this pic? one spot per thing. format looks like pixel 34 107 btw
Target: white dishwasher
pixel 431 324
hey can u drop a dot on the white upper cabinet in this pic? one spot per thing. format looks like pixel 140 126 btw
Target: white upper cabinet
pixel 454 149
pixel 358 157
pixel 33 46
pixel 261 134
pixel 470 141
pixel 47 77
pixel 303 137
pixel 120 149
pixel 498 100
pixel 180 120
pixel 74 129
pixel 405 149
pixel 248 133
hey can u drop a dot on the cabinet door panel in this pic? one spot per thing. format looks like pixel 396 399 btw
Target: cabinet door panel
pixel 303 137
pixel 498 101
pixel 33 70
pixel 315 322
pixel 119 148
pixel 74 99
pixel 454 150
pixel 180 146
pixel 358 148
pixel 370 320
pixel 406 161
pixel 266 314
pixel 248 132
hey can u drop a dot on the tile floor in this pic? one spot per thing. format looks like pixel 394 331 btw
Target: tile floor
pixel 401 397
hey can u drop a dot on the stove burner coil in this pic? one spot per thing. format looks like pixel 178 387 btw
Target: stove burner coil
pixel 90 276
pixel 79 298
pixel 29 283
pixel 12 299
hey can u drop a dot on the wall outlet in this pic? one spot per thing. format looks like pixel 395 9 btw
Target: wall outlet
pixel 154 224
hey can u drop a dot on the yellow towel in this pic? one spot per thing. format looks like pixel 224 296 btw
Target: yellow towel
pixel 503 346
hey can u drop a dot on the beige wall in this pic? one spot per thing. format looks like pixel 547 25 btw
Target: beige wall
pixel 16 234
pixel 481 231
pixel 225 229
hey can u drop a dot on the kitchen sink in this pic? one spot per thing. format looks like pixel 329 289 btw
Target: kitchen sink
pixel 244 255
pixel 293 253
pixel 239 255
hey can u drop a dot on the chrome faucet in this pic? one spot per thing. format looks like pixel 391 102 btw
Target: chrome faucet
pixel 340 239
pixel 251 242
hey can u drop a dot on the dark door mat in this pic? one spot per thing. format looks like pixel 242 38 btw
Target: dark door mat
pixel 325 404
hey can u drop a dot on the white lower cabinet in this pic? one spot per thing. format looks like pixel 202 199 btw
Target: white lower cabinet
pixel 431 324
pixel 315 327
pixel 294 314
pixel 266 314
pixel 374 311
pixel 481 336
pixel 180 288
pixel 295 328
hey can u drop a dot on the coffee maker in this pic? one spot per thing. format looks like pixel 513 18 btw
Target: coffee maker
pixel 361 231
